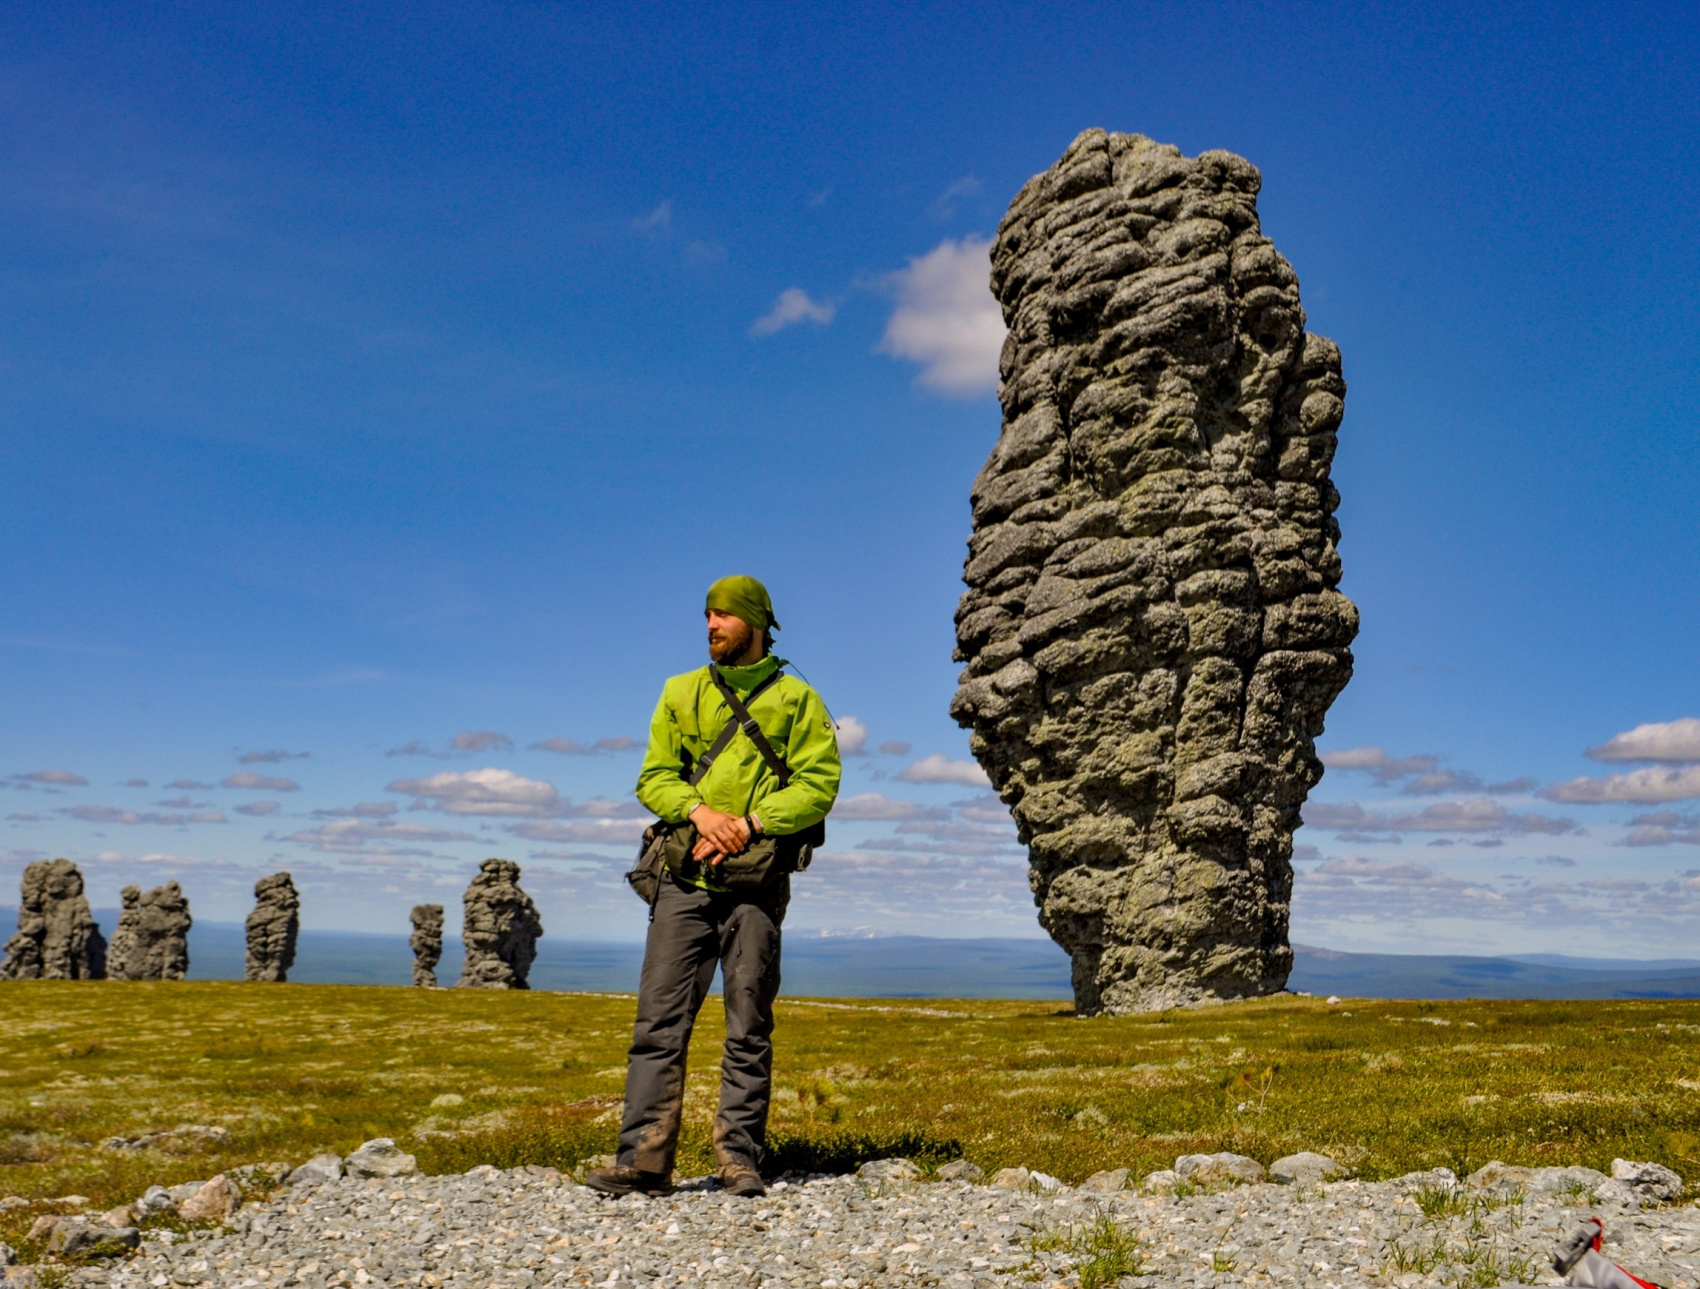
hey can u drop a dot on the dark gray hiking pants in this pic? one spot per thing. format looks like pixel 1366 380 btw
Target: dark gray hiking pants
pixel 690 932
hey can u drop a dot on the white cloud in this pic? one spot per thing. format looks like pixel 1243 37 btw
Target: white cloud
pixel 414 748
pixel 595 832
pixel 485 792
pixel 258 808
pixel 947 319
pixel 658 220
pixel 792 307
pixel 189 785
pixel 1649 786
pixel 113 815
pixel 481 741
pixel 364 810
pixel 1478 815
pixel 895 747
pixel 939 768
pixel 260 782
pixel 135 783
pixel 875 806
pixel 570 747
pixel 355 836
pixel 59 778
pixel 270 758
pixel 944 205
pixel 852 736
pixel 1677 740
pixel 1664 828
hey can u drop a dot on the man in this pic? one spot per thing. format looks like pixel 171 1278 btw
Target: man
pixel 698 919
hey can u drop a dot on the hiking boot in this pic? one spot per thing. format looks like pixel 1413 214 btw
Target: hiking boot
pixel 620 1180
pixel 740 1179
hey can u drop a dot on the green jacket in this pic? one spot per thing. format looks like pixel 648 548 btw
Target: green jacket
pixel 689 718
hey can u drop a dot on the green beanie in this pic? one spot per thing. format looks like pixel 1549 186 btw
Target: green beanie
pixel 745 598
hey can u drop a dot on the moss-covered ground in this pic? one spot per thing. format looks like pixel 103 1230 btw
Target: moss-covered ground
pixel 461 1078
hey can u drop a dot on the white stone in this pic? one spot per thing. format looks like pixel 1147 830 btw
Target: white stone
pixel 381 1157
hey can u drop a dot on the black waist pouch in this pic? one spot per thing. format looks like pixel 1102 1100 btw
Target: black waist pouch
pixel 666 848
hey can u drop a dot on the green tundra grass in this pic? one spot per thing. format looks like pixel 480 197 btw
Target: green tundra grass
pixel 461 1078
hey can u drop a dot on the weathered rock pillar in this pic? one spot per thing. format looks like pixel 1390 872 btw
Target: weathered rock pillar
pixel 57 938
pixel 1152 629
pixel 151 941
pixel 272 928
pixel 500 931
pixel 427 943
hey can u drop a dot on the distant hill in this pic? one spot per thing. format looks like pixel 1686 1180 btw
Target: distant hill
pixel 923 967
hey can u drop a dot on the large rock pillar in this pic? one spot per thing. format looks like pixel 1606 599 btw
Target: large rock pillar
pixel 1152 629
pixel 57 937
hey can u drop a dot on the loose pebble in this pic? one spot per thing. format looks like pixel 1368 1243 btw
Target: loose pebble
pixel 490 1229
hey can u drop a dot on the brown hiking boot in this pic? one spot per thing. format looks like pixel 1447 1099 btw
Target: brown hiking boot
pixel 740 1179
pixel 620 1180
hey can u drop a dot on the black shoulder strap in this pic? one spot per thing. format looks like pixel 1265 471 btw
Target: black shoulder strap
pixel 741 719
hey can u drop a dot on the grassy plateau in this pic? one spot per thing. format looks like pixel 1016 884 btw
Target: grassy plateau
pixel 461 1078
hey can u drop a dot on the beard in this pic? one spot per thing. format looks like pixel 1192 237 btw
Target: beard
pixel 724 646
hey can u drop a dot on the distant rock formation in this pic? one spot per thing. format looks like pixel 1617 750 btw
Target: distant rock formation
pixel 272 928
pixel 1152 630
pixel 501 929
pixel 427 943
pixel 57 938
pixel 151 940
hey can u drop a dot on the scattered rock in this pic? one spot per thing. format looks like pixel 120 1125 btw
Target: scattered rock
pixel 43 1227
pixel 446 1100
pixel 8 1255
pixel 1432 1178
pixel 151 940
pixel 381 1157
pixel 13 1201
pixel 960 1170
pixel 426 943
pixel 1015 1179
pixel 1640 1184
pixel 892 1172
pixel 213 1202
pixel 184 1191
pixel 155 1199
pixel 57 938
pixel 1552 1181
pixel 1496 1175
pixel 318 1169
pixel 272 928
pixel 192 1136
pixel 259 1177
pixel 1151 626
pixel 1333 999
pixel 91 1240
pixel 1162 1182
pixel 500 931
pixel 1224 1168
pixel 1307 1168
pixel 120 1216
pixel 21 1278
pixel 1045 1182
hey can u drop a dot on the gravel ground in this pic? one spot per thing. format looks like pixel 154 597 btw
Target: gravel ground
pixel 534 1227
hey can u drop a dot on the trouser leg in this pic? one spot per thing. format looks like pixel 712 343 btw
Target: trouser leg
pixel 678 967
pixel 749 954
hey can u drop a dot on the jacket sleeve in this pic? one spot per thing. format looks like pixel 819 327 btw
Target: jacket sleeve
pixel 660 786
pixel 811 752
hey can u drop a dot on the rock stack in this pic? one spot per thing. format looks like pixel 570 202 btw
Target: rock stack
pixel 272 928
pixel 1152 629
pixel 151 941
pixel 427 943
pixel 500 931
pixel 57 938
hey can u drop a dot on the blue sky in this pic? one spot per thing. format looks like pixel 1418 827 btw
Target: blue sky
pixel 381 378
